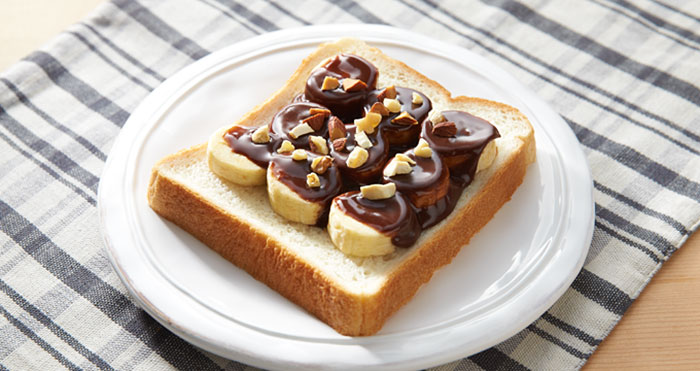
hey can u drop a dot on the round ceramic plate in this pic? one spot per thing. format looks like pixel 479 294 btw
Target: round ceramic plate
pixel 508 275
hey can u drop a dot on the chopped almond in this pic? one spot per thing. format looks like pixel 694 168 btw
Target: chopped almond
pixel 353 85
pixel 330 83
pixel 404 118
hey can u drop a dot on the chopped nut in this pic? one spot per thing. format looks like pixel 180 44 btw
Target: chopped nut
pixel 423 149
pixel 286 147
pixel 299 155
pixel 378 191
pixel 336 128
pixel 323 111
pixel 330 83
pixel 395 167
pixel 339 144
pixel 379 108
pixel 388 92
pixel 402 157
pixel 416 98
pixel 437 117
pixel 320 164
pixel 261 135
pixel 318 145
pixel 362 140
pixel 445 129
pixel 369 122
pixel 392 105
pixel 404 118
pixel 357 157
pixel 301 129
pixel 353 84
pixel 312 180
pixel 315 121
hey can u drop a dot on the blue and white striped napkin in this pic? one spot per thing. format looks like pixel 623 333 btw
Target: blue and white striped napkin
pixel 624 75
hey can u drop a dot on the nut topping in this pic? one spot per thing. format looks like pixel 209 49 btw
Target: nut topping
pixel 378 191
pixel 336 128
pixel 423 149
pixel 286 147
pixel 301 129
pixel 445 129
pixel 404 158
pixel 330 83
pixel 379 108
pixel 397 167
pixel 261 135
pixel 318 145
pixel 416 98
pixel 299 155
pixel 315 121
pixel 362 140
pixel 353 84
pixel 339 144
pixel 323 111
pixel 320 164
pixel 388 92
pixel 357 157
pixel 392 105
pixel 369 122
pixel 312 180
pixel 404 118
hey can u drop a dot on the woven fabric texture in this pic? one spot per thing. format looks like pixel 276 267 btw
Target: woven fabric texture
pixel 624 75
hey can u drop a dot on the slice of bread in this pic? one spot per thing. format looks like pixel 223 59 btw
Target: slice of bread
pixel 353 295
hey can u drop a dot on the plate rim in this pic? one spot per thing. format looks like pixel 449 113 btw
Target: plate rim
pixel 326 32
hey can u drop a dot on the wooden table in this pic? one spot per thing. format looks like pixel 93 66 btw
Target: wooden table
pixel 661 330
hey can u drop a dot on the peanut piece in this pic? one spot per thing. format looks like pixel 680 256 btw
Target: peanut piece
pixel 299 155
pixel 286 147
pixel 357 157
pixel 312 180
pixel 397 167
pixel 301 129
pixel 330 83
pixel 318 145
pixel 261 135
pixel 416 98
pixel 368 123
pixel 423 149
pixel 362 140
pixel 320 164
pixel 392 105
pixel 378 191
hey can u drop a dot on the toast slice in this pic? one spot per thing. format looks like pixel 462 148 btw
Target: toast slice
pixel 353 295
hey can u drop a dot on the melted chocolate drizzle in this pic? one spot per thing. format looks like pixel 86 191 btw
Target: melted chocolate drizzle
pixel 393 216
pixel 454 158
pixel 345 104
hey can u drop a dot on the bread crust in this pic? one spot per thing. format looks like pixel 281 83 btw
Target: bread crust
pixel 267 260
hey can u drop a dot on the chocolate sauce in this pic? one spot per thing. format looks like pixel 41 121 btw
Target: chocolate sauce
pixel 405 136
pixel 461 152
pixel 393 216
pixel 293 174
pixel 370 172
pixel 435 213
pixel 427 181
pixel 454 159
pixel 345 104
pixel 239 138
pixel 290 116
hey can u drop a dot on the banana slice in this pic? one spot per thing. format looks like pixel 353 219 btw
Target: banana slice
pixel 236 167
pixel 359 226
pixel 425 180
pixel 298 195
pixel 488 155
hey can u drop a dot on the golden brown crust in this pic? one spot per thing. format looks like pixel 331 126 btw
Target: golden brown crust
pixel 264 258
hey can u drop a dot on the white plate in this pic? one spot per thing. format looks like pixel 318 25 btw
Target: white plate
pixel 510 273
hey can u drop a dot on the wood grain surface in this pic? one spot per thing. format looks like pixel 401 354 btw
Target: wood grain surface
pixel 660 331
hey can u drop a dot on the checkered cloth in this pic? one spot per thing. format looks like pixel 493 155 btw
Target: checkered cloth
pixel 624 75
